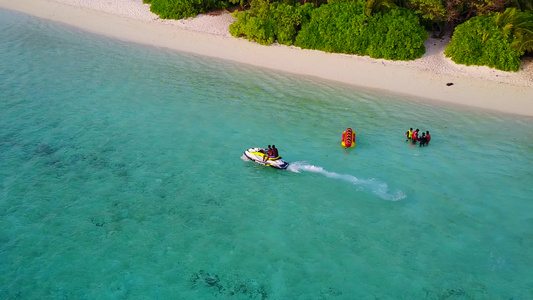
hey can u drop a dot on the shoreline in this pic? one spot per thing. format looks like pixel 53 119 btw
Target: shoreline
pixel 425 78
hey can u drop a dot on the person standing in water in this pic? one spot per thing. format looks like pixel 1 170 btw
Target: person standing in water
pixel 423 139
pixel 415 136
pixel 409 134
pixel 428 137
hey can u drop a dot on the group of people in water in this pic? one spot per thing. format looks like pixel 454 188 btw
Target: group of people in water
pixel 414 137
pixel 271 152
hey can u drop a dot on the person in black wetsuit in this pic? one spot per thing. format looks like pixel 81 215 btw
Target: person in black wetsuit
pixel 423 139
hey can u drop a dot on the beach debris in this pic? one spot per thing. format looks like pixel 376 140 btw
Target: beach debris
pixel 449 83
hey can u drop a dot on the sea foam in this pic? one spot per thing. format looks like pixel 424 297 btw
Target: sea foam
pixel 372 185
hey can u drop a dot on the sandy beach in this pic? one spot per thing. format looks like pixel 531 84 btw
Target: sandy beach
pixel 426 78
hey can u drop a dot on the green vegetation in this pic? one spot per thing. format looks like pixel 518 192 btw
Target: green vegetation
pixel 375 6
pixel 266 23
pixel 443 15
pixel 343 27
pixel 432 12
pixel 494 40
pixel 179 9
pixel 522 29
pixel 495 33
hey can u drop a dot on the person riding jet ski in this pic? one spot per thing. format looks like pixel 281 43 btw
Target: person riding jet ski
pixel 261 156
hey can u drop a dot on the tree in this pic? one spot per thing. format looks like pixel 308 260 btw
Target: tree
pixel 343 27
pixel 485 40
pixel 446 14
pixel 518 24
pixel 375 6
pixel 523 39
pixel 460 11
pixel 179 9
pixel 432 11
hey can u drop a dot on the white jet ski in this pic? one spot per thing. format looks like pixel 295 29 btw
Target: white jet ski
pixel 258 155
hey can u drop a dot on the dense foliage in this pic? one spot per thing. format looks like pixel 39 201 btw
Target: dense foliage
pixel 336 27
pixel 494 40
pixel 487 32
pixel 179 9
pixel 343 27
pixel 522 29
pixel 266 23
pixel 443 15
pixel 396 35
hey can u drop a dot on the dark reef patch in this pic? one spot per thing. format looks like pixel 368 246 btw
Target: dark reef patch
pixel 98 223
pixel 331 292
pixel 247 288
pixel 44 149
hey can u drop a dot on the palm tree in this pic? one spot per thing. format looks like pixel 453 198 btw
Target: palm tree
pixel 523 36
pixel 514 22
pixel 506 20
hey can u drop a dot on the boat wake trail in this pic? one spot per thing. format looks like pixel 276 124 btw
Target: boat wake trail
pixel 376 187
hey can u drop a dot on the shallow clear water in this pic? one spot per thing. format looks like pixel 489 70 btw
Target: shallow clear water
pixel 122 178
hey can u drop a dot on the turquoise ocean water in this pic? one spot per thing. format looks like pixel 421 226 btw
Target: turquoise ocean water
pixel 122 178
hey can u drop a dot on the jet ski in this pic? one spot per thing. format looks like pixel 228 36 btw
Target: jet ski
pixel 258 155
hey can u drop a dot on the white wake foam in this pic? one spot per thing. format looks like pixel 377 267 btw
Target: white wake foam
pixel 376 187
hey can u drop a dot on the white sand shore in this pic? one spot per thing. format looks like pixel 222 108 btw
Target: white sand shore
pixel 426 78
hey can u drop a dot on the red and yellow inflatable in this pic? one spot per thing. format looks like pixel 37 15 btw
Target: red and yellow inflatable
pixel 348 138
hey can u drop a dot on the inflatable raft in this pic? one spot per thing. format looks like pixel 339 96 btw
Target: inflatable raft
pixel 348 138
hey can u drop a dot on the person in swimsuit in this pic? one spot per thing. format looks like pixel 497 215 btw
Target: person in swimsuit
pixel 268 153
pixel 275 152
